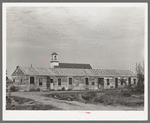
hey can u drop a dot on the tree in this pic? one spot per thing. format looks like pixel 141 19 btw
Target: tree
pixel 140 73
pixel 8 85
pixel 6 76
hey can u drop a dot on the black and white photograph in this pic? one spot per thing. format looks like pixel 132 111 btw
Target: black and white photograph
pixel 80 60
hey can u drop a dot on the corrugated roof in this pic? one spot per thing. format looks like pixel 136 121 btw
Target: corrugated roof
pixel 28 70
pixel 73 65
pixel 74 72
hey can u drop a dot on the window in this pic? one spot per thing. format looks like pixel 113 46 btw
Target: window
pixel 51 80
pixel 40 82
pixel 134 81
pixel 129 81
pixel 93 83
pixel 87 81
pixel 107 81
pixel 59 81
pixel 101 81
pixel 70 81
pixel 122 81
pixel 31 80
pixel 21 80
pixel 13 80
pixel 55 57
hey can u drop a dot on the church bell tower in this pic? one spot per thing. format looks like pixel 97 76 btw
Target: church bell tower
pixel 54 61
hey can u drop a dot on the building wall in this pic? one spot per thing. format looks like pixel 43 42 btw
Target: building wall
pixel 78 83
pixel 43 79
pixel 63 83
pixel 54 63
pixel 132 81
pixel 21 84
pixel 111 82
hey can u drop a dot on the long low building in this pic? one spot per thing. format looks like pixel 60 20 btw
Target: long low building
pixel 71 76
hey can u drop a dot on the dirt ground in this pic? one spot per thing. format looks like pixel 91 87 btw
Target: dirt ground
pixel 69 105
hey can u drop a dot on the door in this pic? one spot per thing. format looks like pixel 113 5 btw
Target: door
pixel 31 80
pixel 129 79
pixel 100 82
pixel 86 83
pixel 116 82
pixel 70 83
pixel 51 86
pixel 48 83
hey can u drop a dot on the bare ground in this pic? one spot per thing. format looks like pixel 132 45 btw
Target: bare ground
pixel 69 105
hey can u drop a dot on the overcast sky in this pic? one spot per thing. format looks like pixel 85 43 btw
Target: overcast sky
pixel 105 37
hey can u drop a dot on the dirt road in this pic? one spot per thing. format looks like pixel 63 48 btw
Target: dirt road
pixel 69 105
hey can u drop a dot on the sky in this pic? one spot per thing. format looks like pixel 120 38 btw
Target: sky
pixel 104 37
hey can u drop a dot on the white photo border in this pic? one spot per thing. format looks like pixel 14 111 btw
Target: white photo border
pixel 74 115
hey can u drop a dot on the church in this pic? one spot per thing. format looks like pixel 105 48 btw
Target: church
pixel 71 76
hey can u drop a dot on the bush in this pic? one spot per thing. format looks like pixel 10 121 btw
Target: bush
pixel 69 89
pixel 126 93
pixel 138 90
pixel 119 97
pixel 35 90
pixel 14 88
pixel 32 89
pixel 105 99
pixel 63 89
pixel 88 95
pixel 38 89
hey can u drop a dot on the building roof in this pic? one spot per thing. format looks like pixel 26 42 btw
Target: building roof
pixel 71 72
pixel 54 53
pixel 73 65
pixel 9 81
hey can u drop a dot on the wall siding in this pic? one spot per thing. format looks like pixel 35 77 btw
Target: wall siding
pixel 78 83
pixel 22 85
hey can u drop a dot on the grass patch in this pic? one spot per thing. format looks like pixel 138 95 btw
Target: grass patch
pixel 119 97
pixel 118 100
pixel 33 105
pixel 63 96
pixel 21 100
pixel 106 97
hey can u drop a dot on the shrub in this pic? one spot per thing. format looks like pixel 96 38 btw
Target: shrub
pixel 126 93
pixel 98 99
pixel 138 90
pixel 88 95
pixel 61 96
pixel 105 99
pixel 63 89
pixel 14 88
pixel 69 89
pixel 86 88
pixel 51 89
pixel 32 90
pixel 118 97
pixel 38 89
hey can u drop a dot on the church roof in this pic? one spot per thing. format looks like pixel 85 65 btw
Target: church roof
pixel 73 65
pixel 54 53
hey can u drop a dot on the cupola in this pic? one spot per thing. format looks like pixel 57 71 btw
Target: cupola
pixel 54 61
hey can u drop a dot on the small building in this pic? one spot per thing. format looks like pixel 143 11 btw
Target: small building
pixel 71 76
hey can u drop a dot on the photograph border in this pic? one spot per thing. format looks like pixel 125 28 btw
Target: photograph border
pixel 80 115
